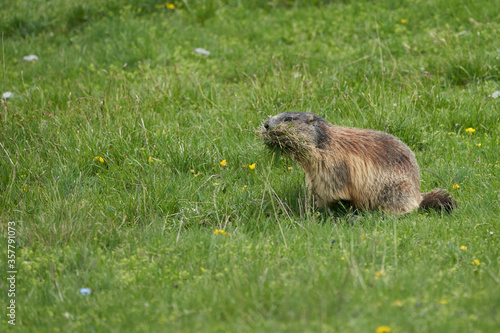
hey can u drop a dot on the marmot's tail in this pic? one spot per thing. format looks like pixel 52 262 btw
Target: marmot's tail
pixel 438 199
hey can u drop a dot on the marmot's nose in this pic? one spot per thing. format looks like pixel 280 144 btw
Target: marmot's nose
pixel 266 124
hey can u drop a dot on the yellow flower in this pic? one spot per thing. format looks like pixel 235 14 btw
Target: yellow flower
pixel 25 188
pixel 470 130
pixel 289 168
pixel 251 166
pixel 476 262
pixel 150 159
pixel 244 188
pixel 170 6
pixel 456 187
pixel 98 158
pixel 223 163
pixel 379 274
pixel 443 301
pixel 404 21
pixel 463 247
pixel 383 329
pixel 192 170
pixel 398 303
pixel 478 144
pixel 203 269
pixel 164 132
pixel 220 231
pixel 216 184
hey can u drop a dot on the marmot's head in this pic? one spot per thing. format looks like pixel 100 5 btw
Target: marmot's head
pixel 295 132
pixel 304 125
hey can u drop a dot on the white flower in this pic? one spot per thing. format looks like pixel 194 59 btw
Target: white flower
pixel 495 94
pixel 7 95
pixel 30 57
pixel 202 51
pixel 85 291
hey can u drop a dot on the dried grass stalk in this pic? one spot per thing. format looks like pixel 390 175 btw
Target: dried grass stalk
pixel 284 139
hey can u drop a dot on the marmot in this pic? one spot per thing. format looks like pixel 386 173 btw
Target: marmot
pixel 371 169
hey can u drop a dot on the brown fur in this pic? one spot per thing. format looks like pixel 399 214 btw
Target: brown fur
pixel 370 169
pixel 438 199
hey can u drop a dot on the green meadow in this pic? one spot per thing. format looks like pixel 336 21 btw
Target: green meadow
pixel 130 165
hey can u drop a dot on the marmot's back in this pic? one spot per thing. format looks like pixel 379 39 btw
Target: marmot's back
pixel 369 168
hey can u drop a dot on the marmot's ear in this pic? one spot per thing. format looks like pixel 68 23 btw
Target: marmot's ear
pixel 310 118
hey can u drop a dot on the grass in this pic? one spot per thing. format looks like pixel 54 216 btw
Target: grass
pixel 118 80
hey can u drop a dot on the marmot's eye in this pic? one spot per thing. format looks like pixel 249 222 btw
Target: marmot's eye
pixel 288 119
